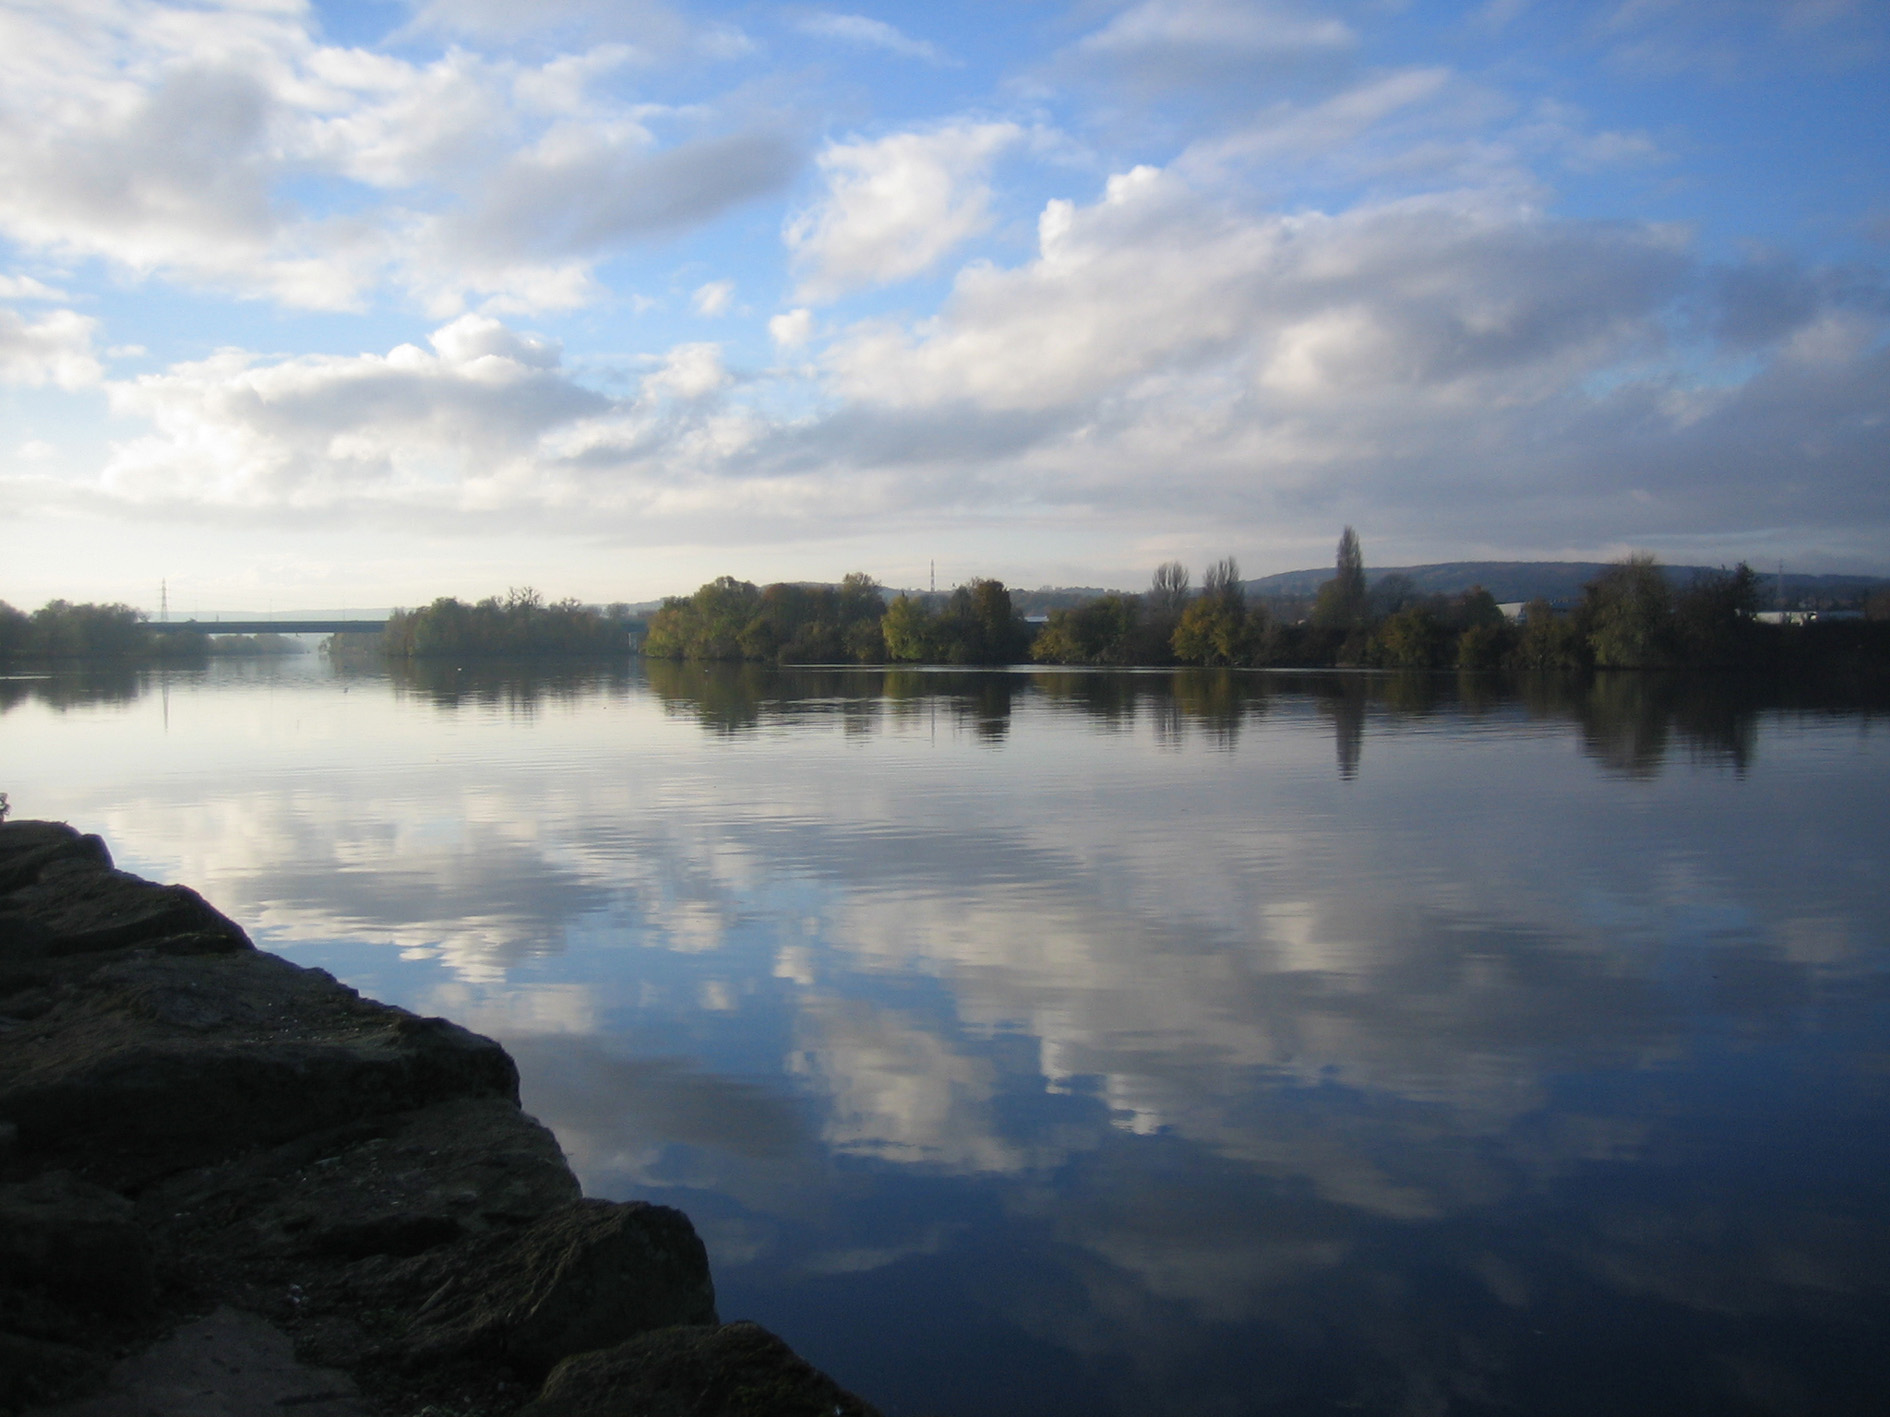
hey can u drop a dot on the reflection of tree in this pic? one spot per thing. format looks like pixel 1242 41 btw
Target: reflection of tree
pixel 1344 699
pixel 990 707
pixel 736 697
pixel 1627 720
pixel 76 688
pixel 1214 701
pixel 1107 700
pixel 1415 693
pixel 518 687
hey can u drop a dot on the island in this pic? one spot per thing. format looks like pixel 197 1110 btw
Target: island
pixel 203 1142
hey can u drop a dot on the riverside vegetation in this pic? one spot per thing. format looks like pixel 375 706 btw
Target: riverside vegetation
pixel 60 630
pixel 1630 617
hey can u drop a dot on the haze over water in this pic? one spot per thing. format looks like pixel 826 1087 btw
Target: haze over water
pixel 1048 1043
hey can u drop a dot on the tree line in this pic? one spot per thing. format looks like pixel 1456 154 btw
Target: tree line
pixel 1629 617
pixel 61 630
pixel 517 624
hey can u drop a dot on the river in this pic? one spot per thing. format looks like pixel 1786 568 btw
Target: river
pixel 1134 1043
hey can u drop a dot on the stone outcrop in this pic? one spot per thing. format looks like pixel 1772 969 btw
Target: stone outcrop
pixel 188 1124
pixel 736 1370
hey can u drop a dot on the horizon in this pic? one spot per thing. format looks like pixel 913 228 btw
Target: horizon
pixel 318 301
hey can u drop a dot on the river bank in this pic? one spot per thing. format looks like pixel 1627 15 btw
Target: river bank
pixel 190 1126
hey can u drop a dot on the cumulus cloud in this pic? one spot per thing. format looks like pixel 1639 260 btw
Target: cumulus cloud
pixel 690 371
pixel 445 426
pixel 1421 299
pixel 178 143
pixel 792 329
pixel 55 349
pixel 869 33
pixel 895 206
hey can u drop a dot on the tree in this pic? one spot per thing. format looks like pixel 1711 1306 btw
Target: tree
pixel 1217 627
pixel 1102 631
pixel 1222 583
pixel 1713 622
pixel 1168 589
pixel 1549 641
pixel 907 629
pixel 1341 602
pixel 1414 638
pixel 1628 613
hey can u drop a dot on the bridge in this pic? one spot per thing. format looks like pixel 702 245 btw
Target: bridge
pixel 276 627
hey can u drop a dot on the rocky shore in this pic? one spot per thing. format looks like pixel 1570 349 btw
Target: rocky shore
pixel 203 1143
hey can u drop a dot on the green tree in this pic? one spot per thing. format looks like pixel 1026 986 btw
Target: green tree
pixel 1549 641
pixel 980 626
pixel 1102 631
pixel 1628 613
pixel 1217 628
pixel 907 630
pixel 1414 638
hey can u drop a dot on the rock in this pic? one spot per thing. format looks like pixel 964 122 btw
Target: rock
pixel 739 1370
pixel 34 1370
pixel 397 1185
pixel 63 897
pixel 356 1180
pixel 79 1243
pixel 27 848
pixel 147 1063
pixel 585 1276
pixel 226 1364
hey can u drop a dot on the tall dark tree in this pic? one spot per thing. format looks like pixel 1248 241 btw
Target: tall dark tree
pixel 1341 603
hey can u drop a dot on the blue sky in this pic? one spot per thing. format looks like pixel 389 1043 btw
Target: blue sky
pixel 363 303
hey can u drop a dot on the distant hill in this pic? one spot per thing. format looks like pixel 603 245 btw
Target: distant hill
pixel 1549 580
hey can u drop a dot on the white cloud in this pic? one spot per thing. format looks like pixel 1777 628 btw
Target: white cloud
pixel 871 33
pixel 648 23
pixel 180 143
pixel 895 206
pixel 26 288
pixel 901 1092
pixel 583 193
pixel 690 371
pixel 450 428
pixel 56 349
pixel 792 329
pixel 1420 300
pixel 713 297
pixel 1216 28
pixel 1287 131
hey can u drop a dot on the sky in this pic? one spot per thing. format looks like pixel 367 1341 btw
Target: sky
pixel 362 303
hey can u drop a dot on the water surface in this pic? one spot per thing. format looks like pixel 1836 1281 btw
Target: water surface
pixel 1060 1043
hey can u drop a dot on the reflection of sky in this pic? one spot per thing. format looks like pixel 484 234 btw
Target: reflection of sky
pixel 1180 1048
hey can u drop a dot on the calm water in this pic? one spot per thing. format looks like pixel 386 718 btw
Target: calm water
pixel 1119 1044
